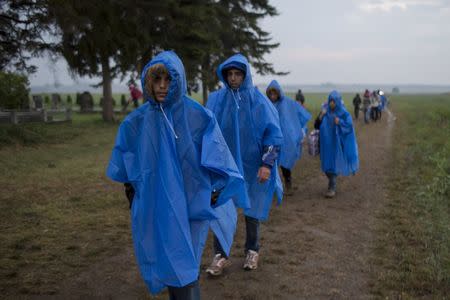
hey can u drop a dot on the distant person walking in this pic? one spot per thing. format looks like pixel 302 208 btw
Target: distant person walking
pixel 366 106
pixel 383 102
pixel 338 147
pixel 135 95
pixel 356 104
pixel 293 122
pixel 300 97
pixel 374 106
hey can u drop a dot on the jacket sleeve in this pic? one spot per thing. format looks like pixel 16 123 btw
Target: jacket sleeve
pixel 270 156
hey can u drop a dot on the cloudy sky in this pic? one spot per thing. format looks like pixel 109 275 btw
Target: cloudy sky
pixel 346 41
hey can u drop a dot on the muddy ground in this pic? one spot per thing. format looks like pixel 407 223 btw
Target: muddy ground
pixel 311 247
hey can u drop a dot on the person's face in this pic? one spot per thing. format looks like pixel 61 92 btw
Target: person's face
pixel 273 95
pixel 332 105
pixel 160 86
pixel 235 78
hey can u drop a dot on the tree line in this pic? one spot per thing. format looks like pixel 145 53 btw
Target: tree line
pixel 113 38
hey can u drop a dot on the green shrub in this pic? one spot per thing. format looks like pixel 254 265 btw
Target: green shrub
pixel 13 91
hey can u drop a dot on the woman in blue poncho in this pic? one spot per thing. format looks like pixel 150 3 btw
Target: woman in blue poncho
pixel 338 147
pixel 172 157
pixel 293 121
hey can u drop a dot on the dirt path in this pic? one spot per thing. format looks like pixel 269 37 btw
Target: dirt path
pixel 311 247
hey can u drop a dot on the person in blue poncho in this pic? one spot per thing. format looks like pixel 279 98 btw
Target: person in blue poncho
pixel 338 147
pixel 293 120
pixel 173 159
pixel 383 103
pixel 250 125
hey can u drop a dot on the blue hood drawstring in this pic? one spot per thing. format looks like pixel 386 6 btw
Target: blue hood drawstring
pixel 168 122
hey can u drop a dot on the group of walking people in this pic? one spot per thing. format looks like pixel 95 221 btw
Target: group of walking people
pixel 186 169
pixel 372 105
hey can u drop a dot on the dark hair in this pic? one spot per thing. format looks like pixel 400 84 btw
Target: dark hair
pixel 225 72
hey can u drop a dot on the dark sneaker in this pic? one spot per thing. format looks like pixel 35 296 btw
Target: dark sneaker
pixel 251 260
pixel 288 191
pixel 218 264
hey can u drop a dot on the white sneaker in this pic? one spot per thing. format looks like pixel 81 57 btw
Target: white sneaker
pixel 251 260
pixel 330 194
pixel 218 264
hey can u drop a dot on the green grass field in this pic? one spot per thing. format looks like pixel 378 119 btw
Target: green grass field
pixel 59 213
pixel 413 250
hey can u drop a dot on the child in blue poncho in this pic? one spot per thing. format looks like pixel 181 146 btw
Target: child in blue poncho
pixel 172 157
pixel 338 147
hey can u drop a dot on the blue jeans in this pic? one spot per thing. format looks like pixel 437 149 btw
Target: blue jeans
pixel 187 292
pixel 366 115
pixel 331 181
pixel 251 240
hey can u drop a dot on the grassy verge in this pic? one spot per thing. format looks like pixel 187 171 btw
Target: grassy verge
pixel 413 250
pixel 33 134
pixel 58 212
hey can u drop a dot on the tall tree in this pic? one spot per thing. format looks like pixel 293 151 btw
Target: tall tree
pixel 204 32
pixel 109 38
pixel 24 25
pixel 238 30
pixel 191 28
pixel 106 38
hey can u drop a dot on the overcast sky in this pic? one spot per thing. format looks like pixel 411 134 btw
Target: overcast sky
pixel 346 41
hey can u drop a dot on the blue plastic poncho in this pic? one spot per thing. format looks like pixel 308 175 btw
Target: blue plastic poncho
pixel 383 100
pixel 174 154
pixel 338 147
pixel 248 122
pixel 293 121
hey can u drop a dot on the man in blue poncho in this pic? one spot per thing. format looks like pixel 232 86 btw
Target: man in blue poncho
pixel 293 121
pixel 250 125
pixel 172 157
pixel 338 147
